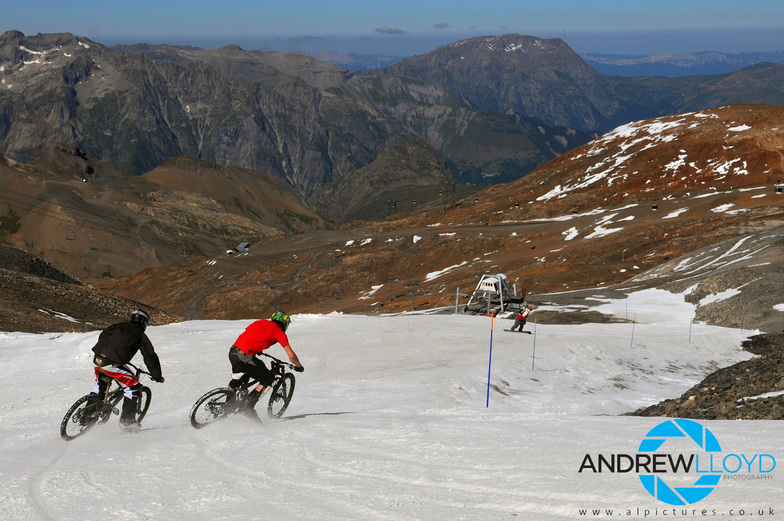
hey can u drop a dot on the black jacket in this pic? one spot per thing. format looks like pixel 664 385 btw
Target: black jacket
pixel 120 342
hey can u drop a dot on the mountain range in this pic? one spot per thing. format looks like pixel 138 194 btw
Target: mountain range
pixel 127 169
pixel 670 65
pixel 494 107
pixel 674 65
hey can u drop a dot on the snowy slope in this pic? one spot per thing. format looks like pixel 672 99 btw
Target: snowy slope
pixel 389 421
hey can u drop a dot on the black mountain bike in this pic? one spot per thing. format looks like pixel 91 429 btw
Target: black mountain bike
pixel 89 409
pixel 221 402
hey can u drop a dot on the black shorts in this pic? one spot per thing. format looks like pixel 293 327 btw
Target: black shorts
pixel 244 363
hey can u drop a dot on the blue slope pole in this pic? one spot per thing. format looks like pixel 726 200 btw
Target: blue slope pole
pixel 533 355
pixel 490 362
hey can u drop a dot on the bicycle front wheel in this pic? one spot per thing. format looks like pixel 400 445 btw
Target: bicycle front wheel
pixel 281 396
pixel 80 417
pixel 143 403
pixel 212 407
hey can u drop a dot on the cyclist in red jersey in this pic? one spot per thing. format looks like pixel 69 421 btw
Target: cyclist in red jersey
pixel 257 337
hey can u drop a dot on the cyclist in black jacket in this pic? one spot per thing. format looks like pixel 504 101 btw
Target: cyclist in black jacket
pixel 117 345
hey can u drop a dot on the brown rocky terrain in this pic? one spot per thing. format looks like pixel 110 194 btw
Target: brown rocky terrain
pixel 94 220
pixel 634 200
pixel 750 390
pixel 37 298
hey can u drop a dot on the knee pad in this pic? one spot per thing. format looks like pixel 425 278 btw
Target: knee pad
pixel 238 379
pixel 136 390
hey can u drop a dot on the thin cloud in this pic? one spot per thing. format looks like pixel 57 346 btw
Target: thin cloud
pixel 441 26
pixel 390 30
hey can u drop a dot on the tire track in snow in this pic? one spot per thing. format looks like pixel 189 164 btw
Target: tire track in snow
pixel 427 470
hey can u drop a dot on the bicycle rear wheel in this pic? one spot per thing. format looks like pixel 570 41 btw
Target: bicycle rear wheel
pixel 143 403
pixel 80 417
pixel 211 407
pixel 281 396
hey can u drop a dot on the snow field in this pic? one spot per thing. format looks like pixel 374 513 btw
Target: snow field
pixel 389 421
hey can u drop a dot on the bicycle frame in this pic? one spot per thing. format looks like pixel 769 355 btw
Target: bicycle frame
pixel 114 394
pixel 277 366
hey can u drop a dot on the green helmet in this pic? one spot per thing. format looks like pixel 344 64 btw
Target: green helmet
pixel 282 318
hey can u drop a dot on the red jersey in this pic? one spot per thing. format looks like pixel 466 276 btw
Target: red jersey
pixel 260 335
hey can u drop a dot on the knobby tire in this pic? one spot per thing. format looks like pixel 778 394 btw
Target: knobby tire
pixel 143 403
pixel 281 396
pixel 82 416
pixel 211 407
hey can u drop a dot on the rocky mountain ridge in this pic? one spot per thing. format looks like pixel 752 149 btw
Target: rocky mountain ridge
pixel 494 107
pixel 412 172
pixel 290 116
pixel 676 65
pixel 671 65
pixel 557 86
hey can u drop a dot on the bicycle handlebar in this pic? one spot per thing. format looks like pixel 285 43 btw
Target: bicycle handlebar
pixel 281 362
pixel 139 370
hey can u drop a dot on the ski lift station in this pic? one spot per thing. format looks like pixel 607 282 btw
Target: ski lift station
pixel 492 295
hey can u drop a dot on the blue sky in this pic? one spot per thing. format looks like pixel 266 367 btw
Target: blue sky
pixel 406 27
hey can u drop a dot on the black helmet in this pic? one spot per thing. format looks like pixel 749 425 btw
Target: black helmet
pixel 140 316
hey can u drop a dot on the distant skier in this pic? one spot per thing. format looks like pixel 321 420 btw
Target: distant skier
pixel 521 318
pixel 116 346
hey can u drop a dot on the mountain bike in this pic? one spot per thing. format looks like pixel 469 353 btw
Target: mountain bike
pixel 223 401
pixel 90 410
